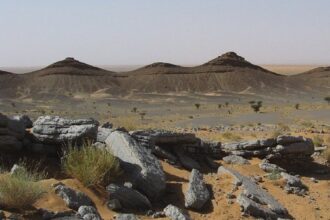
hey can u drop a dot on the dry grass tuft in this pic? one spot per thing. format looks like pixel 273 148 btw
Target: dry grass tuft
pixel 21 189
pixel 90 165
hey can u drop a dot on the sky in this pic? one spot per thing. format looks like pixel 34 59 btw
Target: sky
pixel 137 32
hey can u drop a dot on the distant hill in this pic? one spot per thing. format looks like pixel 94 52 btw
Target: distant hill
pixel 66 78
pixel 228 72
pixel 4 72
pixel 318 77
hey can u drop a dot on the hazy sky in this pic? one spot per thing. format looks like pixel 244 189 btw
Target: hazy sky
pixel 117 32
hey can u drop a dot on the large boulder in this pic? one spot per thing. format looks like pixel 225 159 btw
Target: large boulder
pixel 129 198
pixel 73 199
pixel 197 194
pixel 56 130
pixel 140 164
pixel 12 132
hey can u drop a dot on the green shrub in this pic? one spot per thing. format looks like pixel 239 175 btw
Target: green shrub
pixel 318 141
pixel 21 189
pixel 90 165
pixel 274 175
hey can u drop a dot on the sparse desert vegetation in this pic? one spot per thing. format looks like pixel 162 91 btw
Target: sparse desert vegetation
pixel 90 165
pixel 20 189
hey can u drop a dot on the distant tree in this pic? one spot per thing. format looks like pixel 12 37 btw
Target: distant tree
pixel 226 103
pixel 252 102
pixel 256 106
pixel 297 106
pixel 197 105
pixel 13 104
pixel 327 99
pixel 142 114
pixel 219 106
pixel 229 112
pixel 134 109
pixel 109 104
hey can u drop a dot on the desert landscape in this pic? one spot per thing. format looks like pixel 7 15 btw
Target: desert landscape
pixel 170 110
pixel 223 140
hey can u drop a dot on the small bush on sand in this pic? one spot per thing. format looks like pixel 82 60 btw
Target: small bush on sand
pixel 318 141
pixel 274 175
pixel 90 165
pixel 230 136
pixel 21 189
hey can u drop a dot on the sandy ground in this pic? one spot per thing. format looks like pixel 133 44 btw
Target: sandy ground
pixel 313 206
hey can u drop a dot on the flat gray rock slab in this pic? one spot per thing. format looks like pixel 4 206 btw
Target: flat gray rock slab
pixel 56 130
pixel 234 159
pixel 197 194
pixel 73 199
pixel 174 213
pixel 255 200
pixel 145 170
pixel 128 197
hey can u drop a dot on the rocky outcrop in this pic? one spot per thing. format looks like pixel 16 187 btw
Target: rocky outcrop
pixel 254 200
pixel 187 142
pixel 283 146
pixel 234 159
pixel 144 169
pixel 12 132
pixel 73 199
pixel 174 213
pixel 128 198
pixel 58 131
pixel 197 194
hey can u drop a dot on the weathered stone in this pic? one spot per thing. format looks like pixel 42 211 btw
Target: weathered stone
pixel 293 184
pixel 114 204
pixel 187 142
pixel 286 139
pixel 126 217
pixel 102 134
pixel 56 130
pixel 24 119
pixel 129 198
pixel 145 170
pixel 234 159
pixel 254 200
pixel 12 132
pixel 88 213
pixel 174 213
pixel 197 194
pixel 73 199
pixel 305 148
pixel 186 161
pixel 162 153
pixel 269 167
pixel 49 215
